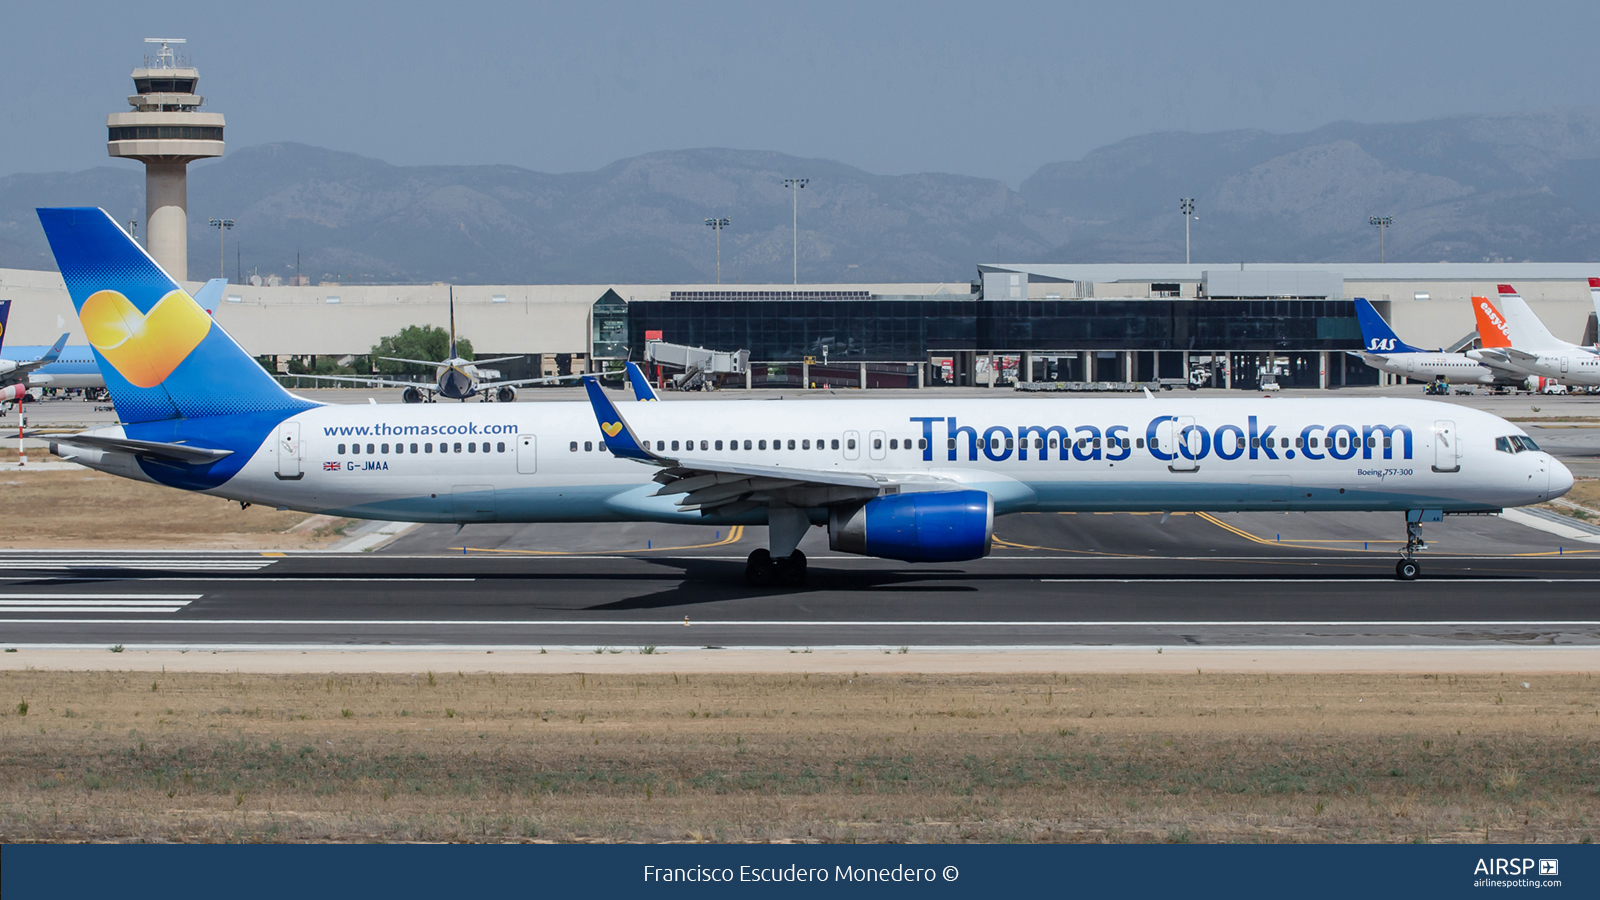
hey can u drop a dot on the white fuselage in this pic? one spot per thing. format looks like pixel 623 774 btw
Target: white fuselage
pixel 1573 365
pixel 1456 368
pixel 544 462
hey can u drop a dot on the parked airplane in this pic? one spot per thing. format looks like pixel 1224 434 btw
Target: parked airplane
pixel 1534 350
pixel 14 373
pixel 1387 353
pixel 918 479
pixel 454 377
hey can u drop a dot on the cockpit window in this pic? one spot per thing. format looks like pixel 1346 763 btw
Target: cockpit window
pixel 1514 443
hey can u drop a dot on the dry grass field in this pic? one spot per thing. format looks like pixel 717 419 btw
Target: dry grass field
pixel 438 756
pixel 80 509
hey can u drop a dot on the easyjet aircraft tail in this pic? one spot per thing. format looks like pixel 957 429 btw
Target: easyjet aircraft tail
pixel 162 356
pixel 1491 325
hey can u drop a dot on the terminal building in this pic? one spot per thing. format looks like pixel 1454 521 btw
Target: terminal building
pixel 1227 325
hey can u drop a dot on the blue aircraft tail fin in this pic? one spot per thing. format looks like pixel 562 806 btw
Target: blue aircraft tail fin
pixel 5 317
pixel 641 385
pixel 162 356
pixel 1376 335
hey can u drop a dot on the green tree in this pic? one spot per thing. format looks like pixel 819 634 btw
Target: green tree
pixel 417 342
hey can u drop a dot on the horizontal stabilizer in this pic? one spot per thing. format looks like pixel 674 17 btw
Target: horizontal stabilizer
pixel 181 453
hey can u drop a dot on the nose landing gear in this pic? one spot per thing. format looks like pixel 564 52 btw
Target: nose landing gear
pixel 1408 568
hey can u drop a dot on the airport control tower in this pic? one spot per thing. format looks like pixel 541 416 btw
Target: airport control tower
pixel 166 131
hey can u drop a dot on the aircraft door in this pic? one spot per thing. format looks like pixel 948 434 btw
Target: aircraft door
pixel 876 444
pixel 1446 447
pixel 527 461
pixel 289 452
pixel 852 445
pixel 1564 364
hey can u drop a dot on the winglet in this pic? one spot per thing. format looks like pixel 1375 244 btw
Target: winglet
pixel 641 385
pixel 619 438
pixel 54 352
pixel 209 296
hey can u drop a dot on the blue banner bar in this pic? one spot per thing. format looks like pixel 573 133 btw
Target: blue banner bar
pixel 129 872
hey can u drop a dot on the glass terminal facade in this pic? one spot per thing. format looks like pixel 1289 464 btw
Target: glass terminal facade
pixel 1066 340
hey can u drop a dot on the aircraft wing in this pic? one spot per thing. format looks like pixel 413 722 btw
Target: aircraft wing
pixel 181 453
pixel 729 488
pixel 482 385
pixel 370 381
pixel 20 373
pixel 422 362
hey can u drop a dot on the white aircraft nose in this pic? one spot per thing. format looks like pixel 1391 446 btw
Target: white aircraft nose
pixel 1560 478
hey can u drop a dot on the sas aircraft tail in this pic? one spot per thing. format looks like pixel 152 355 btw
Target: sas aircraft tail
pixel 1376 334
pixel 1522 326
pixel 1492 329
pixel 162 356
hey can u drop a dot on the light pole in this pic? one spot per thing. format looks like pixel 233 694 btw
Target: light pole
pixel 794 185
pixel 223 226
pixel 717 225
pixel 1382 222
pixel 1186 206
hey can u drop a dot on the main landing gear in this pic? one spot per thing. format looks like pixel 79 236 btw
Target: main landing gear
pixel 1408 568
pixel 783 563
pixel 761 570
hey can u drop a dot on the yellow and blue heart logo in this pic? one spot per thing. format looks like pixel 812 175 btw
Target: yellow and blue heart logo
pixel 144 347
pixel 611 428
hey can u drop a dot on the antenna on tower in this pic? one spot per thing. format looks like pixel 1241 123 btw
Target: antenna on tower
pixel 164 58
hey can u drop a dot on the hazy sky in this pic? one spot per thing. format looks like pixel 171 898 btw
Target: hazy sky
pixel 980 88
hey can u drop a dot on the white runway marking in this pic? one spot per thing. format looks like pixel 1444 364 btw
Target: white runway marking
pixel 749 623
pixel 58 603
pixel 216 565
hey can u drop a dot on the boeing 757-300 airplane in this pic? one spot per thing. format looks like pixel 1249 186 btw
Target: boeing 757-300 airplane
pixel 918 478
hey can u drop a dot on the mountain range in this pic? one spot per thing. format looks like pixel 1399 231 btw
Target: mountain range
pixel 1466 189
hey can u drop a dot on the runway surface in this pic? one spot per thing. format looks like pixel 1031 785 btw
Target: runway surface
pixel 1248 579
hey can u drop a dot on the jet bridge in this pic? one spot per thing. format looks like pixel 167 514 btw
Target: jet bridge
pixel 698 367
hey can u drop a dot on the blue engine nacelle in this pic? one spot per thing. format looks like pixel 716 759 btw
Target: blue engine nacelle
pixel 937 526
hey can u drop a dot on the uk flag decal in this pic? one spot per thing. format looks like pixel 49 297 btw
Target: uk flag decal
pixel 330 467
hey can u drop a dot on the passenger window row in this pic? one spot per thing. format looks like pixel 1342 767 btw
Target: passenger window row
pixel 471 447
pixel 752 444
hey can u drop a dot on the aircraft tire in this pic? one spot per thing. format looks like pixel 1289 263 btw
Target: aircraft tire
pixel 792 571
pixel 1407 570
pixel 759 569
